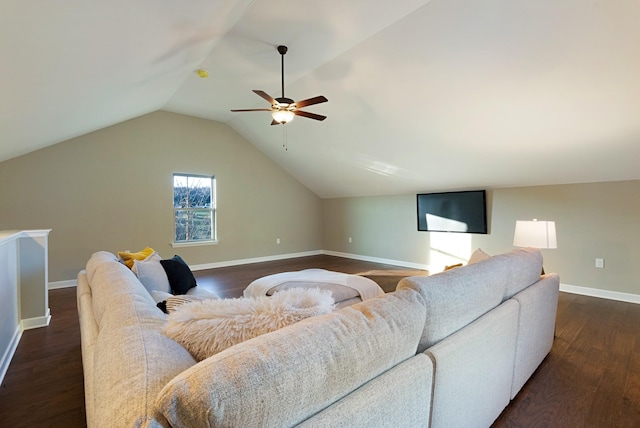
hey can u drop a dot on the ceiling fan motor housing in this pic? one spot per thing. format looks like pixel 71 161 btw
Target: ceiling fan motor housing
pixel 284 100
pixel 282 49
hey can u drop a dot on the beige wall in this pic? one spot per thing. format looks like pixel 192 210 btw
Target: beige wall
pixel 112 190
pixel 592 220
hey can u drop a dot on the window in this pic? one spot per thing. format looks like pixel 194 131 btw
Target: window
pixel 194 208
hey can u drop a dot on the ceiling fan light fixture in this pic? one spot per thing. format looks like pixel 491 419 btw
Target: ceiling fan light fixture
pixel 282 116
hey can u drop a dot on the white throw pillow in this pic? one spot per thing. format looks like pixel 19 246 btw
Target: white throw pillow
pixel 172 302
pixel 160 296
pixel 201 291
pixel 477 256
pixel 208 327
pixel 151 274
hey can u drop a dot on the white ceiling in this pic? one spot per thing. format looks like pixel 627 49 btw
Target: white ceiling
pixel 423 95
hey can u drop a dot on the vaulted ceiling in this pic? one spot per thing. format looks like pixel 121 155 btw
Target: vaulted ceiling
pixel 423 95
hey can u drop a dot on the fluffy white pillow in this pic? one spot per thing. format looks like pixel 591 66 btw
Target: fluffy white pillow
pixel 208 327
pixel 151 274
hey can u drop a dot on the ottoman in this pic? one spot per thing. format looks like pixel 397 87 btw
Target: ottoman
pixel 346 289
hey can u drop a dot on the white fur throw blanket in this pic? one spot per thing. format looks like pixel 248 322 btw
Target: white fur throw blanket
pixel 366 288
pixel 207 327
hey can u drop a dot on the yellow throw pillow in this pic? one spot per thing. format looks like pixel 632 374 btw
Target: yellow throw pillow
pixel 128 258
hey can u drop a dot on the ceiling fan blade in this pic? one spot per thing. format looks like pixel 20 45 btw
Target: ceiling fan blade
pixel 266 96
pixel 311 101
pixel 309 115
pixel 253 109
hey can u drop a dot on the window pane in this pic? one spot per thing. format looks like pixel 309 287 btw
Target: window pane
pixel 199 192
pixel 192 191
pixel 180 191
pixel 193 225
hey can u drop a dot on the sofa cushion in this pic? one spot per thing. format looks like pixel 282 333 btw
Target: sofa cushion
pixel 207 327
pixel 280 378
pixel 457 297
pixel 525 267
pixel 107 278
pixel 398 398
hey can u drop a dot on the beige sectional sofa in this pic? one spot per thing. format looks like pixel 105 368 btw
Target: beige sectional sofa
pixel 447 350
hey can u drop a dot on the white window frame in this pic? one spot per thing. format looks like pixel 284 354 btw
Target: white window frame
pixel 212 210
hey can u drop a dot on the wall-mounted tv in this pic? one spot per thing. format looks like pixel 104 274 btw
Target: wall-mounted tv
pixel 463 212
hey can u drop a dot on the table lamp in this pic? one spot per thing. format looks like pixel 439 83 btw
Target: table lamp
pixel 535 234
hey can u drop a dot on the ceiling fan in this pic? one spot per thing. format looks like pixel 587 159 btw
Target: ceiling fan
pixel 283 109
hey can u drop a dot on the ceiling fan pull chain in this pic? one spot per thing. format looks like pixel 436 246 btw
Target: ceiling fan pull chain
pixel 285 143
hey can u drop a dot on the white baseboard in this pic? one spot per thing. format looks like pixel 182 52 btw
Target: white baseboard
pixel 62 284
pixel 8 353
pixel 29 323
pixel 377 260
pixel 254 260
pixel 573 289
pixel 602 294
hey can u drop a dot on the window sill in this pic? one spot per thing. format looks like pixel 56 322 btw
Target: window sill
pixel 193 243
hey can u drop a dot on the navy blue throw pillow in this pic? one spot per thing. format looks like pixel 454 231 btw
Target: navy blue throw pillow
pixel 180 277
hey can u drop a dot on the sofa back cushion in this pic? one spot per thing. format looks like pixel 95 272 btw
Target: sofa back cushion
pixel 281 378
pixel 106 277
pixel 525 267
pixel 133 360
pixel 457 297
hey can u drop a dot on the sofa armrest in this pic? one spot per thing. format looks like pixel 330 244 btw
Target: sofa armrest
pixel 88 338
pixel 536 327
pixel 474 370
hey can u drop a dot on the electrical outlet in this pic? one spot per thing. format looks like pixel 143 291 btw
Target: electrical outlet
pixel 350 240
pixel 277 240
pixel 600 263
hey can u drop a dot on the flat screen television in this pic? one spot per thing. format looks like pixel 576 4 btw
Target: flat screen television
pixel 462 212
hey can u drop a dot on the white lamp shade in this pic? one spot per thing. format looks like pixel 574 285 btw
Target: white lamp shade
pixel 282 116
pixel 535 234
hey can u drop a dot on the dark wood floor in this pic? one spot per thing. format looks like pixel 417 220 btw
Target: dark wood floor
pixel 591 378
